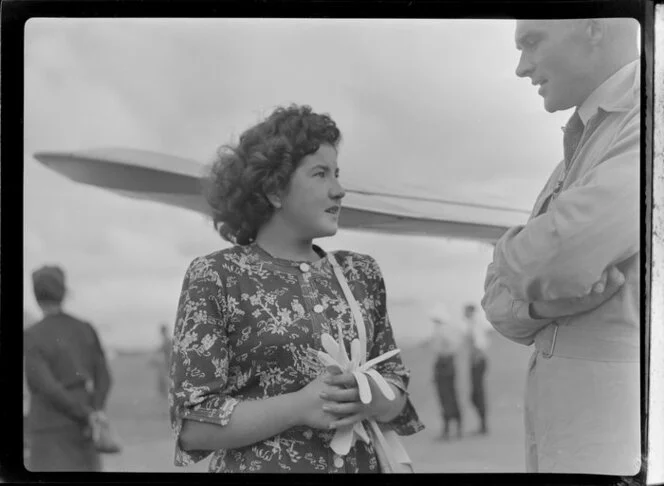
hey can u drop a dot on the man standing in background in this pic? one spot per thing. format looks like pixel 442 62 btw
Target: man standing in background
pixel 568 281
pixel 68 380
pixel 478 346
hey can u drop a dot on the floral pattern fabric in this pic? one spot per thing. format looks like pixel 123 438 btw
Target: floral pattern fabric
pixel 248 327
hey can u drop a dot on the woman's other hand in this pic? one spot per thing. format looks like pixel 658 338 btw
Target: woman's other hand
pixel 343 401
pixel 310 403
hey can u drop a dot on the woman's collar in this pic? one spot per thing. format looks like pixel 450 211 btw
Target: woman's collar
pixel 265 256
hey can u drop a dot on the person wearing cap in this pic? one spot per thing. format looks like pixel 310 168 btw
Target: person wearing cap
pixel 68 379
pixel 446 341
pixel 568 280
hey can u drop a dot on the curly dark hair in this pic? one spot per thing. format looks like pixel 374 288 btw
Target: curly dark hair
pixel 262 163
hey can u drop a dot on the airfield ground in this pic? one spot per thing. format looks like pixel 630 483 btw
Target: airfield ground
pixel 141 418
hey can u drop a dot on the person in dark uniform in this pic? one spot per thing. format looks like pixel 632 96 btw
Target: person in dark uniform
pixel 446 341
pixel 68 379
pixel 479 343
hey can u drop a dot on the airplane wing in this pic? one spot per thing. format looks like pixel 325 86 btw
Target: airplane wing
pixel 177 181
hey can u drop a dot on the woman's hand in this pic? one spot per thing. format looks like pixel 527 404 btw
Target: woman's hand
pixel 343 401
pixel 96 420
pixel 310 404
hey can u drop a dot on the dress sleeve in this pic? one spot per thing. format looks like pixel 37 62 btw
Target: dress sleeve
pixel 393 370
pixel 199 363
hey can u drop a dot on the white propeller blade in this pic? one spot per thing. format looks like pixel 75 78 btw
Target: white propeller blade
pixel 372 362
pixel 329 362
pixel 363 387
pixel 342 440
pixel 361 432
pixel 355 353
pixel 382 384
pixel 330 345
pixel 343 356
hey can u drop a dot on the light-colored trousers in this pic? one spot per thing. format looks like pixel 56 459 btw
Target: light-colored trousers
pixel 582 416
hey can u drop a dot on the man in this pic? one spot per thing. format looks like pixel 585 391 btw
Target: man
pixel 479 344
pixel 568 281
pixel 68 380
pixel 445 342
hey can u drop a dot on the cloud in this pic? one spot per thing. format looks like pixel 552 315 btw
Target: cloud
pixel 436 102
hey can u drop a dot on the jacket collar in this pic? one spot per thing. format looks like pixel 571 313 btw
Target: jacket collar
pixel 619 93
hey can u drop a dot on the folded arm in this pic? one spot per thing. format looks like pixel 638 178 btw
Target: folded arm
pixel 520 321
pixel 591 226
pixel 509 316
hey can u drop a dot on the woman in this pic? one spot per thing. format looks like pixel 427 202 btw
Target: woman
pixel 247 384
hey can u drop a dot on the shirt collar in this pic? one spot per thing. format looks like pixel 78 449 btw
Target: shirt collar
pixel 618 93
pixel 263 255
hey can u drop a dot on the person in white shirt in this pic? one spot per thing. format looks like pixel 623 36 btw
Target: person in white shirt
pixel 568 281
pixel 478 346
pixel 446 341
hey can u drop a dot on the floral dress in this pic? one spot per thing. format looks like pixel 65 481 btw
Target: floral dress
pixel 248 328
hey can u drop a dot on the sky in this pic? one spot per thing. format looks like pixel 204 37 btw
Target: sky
pixel 426 107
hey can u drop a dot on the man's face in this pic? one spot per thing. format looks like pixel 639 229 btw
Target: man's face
pixel 555 54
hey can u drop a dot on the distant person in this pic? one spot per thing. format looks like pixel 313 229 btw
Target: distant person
pixel 27 322
pixel 26 411
pixel 161 360
pixel 568 280
pixel 446 341
pixel 478 347
pixel 247 384
pixel 68 380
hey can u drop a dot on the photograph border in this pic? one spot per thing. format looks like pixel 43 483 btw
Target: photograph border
pixel 15 13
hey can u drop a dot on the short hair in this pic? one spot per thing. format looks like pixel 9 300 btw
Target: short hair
pixel 262 163
pixel 48 284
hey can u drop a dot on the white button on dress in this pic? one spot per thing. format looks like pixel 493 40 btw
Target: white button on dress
pixel 304 267
pixel 338 461
pixel 318 308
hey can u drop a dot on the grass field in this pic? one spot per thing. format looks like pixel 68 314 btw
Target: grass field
pixel 141 417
